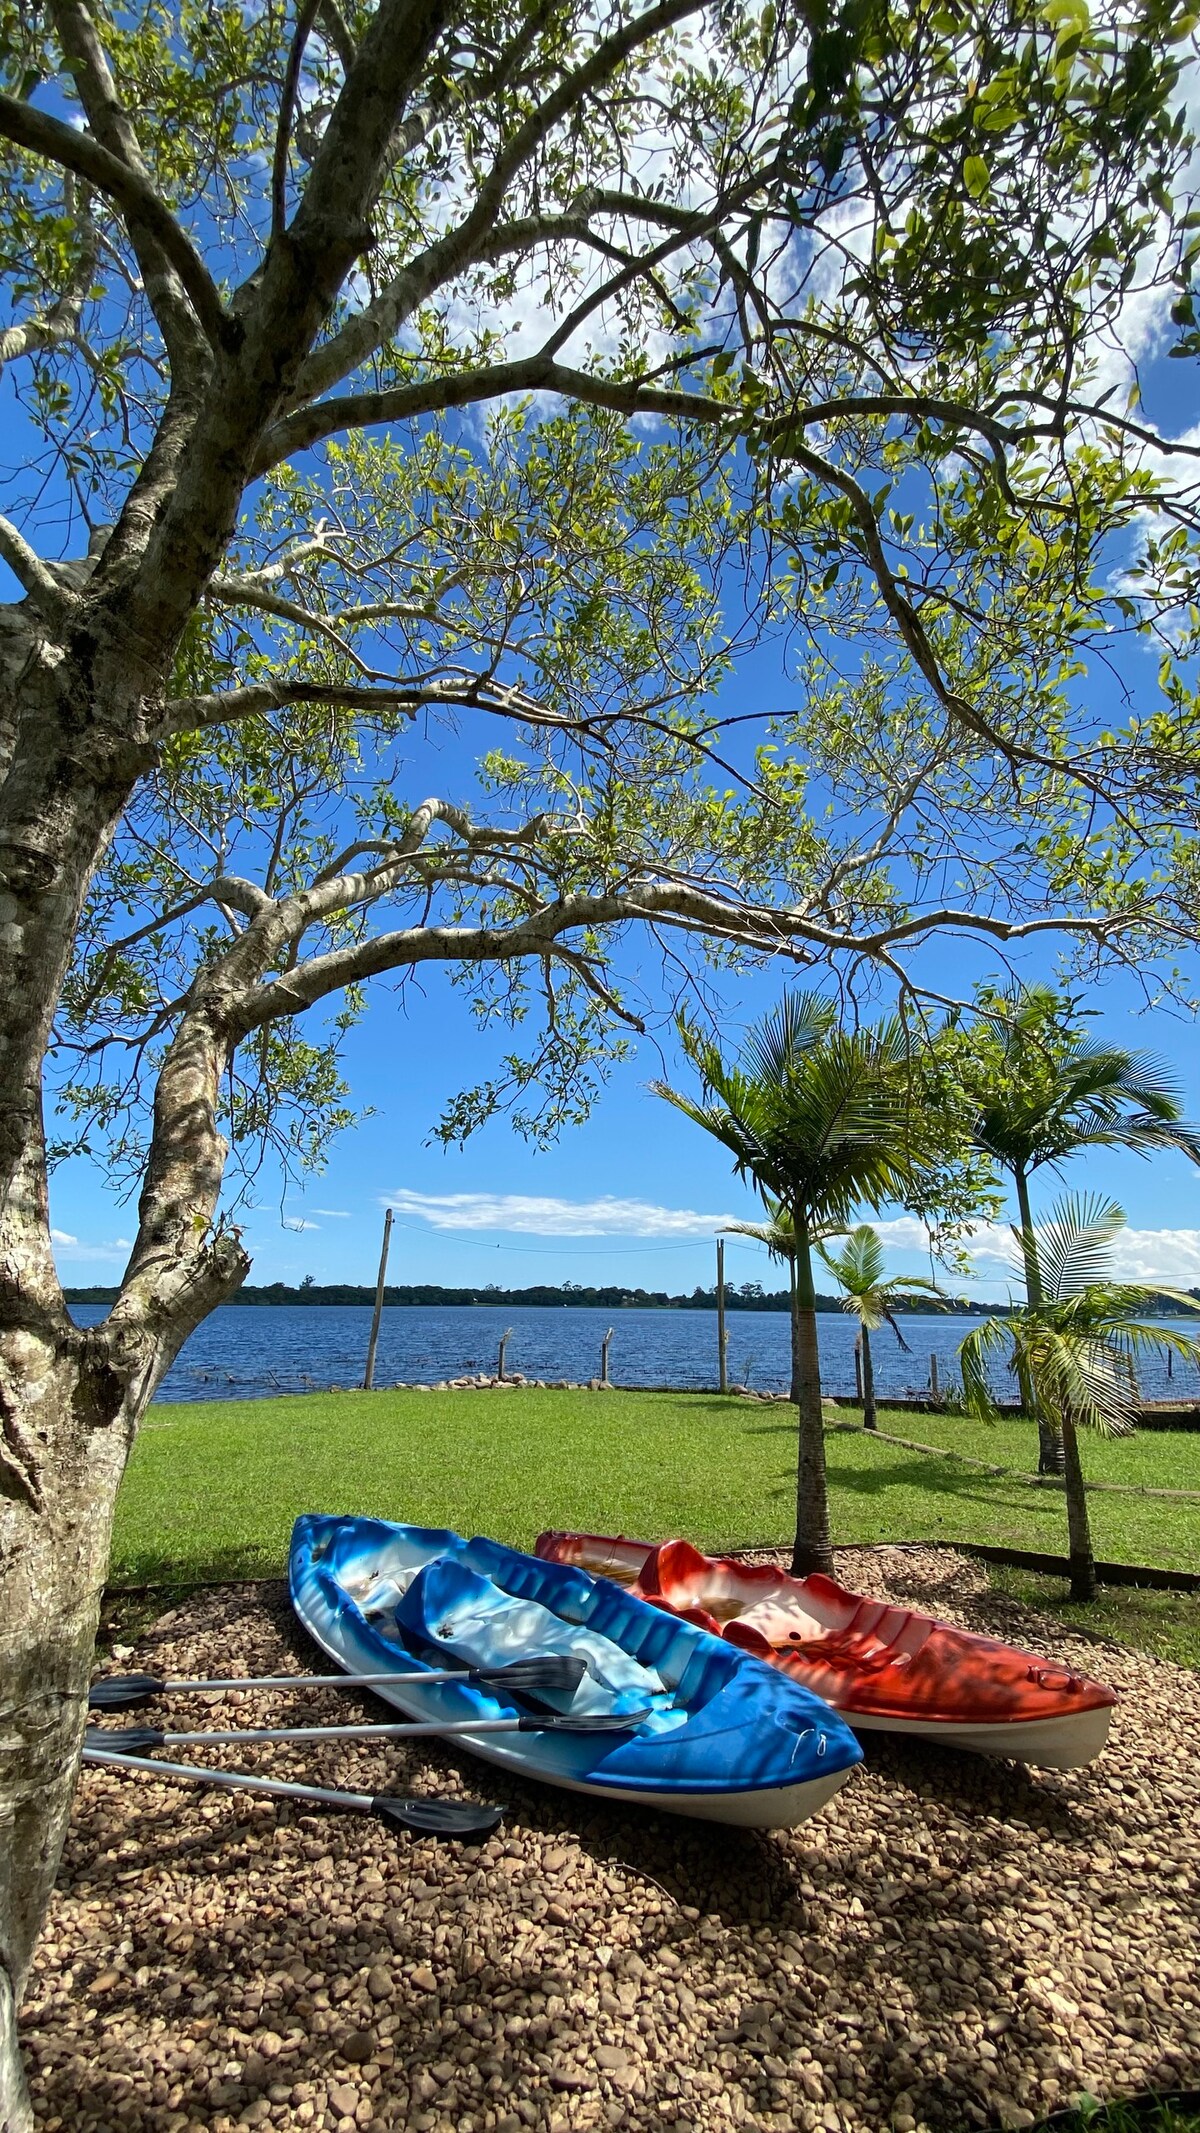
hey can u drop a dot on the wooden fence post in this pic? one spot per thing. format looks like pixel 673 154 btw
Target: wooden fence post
pixel 722 1335
pixel 505 1337
pixel 373 1343
pixel 604 1356
pixel 933 1377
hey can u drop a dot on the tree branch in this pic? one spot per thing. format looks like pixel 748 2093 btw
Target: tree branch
pixel 192 714
pixel 283 132
pixel 536 373
pixel 52 599
pixel 141 206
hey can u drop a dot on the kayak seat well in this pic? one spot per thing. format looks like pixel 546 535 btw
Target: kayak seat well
pixel 684 1662
pixel 658 1639
pixel 469 1617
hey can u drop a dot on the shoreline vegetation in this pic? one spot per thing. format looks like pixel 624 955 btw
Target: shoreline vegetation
pixel 750 1296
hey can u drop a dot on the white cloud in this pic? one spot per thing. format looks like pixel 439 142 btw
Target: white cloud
pixel 546 1217
pixel 1145 1255
pixel 70 1248
pixel 334 1214
pixel 297 1222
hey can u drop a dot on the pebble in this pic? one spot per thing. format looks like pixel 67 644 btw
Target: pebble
pixel 951 1944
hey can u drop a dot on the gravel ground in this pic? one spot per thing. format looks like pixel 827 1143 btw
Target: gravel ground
pixel 952 1943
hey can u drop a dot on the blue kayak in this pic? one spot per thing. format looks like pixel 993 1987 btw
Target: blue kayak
pixel 713 1732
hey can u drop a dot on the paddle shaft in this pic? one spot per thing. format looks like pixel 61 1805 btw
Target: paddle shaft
pixel 234 1781
pixel 327 1681
pixel 427 1729
pixel 469 1822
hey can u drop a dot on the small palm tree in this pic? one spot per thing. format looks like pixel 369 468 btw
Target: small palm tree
pixel 1045 1093
pixel 870 1297
pixel 779 1236
pixel 1076 1349
pixel 821 1119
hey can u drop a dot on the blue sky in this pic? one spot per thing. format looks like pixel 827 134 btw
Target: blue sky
pixel 455 1221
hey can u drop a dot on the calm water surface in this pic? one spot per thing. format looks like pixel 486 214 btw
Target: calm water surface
pixel 247 1351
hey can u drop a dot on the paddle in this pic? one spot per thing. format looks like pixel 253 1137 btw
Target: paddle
pixel 464 1819
pixel 124 1692
pixel 138 1740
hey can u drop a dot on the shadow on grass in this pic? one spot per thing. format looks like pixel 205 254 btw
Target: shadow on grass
pixel 948 1482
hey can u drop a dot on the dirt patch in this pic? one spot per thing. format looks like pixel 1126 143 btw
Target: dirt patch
pixel 952 1942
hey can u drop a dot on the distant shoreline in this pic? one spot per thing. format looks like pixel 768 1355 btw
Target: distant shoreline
pixel 425 1297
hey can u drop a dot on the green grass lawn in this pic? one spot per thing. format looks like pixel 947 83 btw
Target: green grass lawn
pixel 1151 1458
pixel 212 1489
pixel 1166 1624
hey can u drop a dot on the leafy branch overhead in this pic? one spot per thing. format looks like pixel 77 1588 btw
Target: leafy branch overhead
pixel 400 372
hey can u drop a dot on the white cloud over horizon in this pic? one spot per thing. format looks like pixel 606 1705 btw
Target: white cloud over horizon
pixel 1146 1255
pixel 1171 1256
pixel 546 1216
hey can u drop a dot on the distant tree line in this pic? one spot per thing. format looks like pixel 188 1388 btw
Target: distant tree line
pixel 750 1296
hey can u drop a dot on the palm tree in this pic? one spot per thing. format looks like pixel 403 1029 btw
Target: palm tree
pixel 1075 1348
pixel 871 1298
pixel 819 1117
pixel 779 1236
pixel 1045 1093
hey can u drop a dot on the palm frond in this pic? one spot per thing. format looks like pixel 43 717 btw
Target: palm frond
pixel 896 1330
pixel 775 1047
pixel 1082 1378
pixel 779 1237
pixel 990 1338
pixel 859 1266
pixel 1073 1246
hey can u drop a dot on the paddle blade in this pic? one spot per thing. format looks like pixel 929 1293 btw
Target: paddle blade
pixel 557 1673
pixel 127 1740
pixel 583 1722
pixel 464 1819
pixel 123 1692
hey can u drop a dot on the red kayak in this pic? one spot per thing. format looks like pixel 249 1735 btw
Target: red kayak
pixel 881 1667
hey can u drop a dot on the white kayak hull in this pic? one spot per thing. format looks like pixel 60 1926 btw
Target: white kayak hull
pixel 1052 1743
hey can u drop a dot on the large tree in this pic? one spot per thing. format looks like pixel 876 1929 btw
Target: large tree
pixel 280 293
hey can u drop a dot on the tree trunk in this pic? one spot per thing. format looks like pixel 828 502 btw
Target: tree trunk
pixel 870 1418
pixel 812 1550
pixel 795 1394
pixel 1050 1448
pixel 1079 1532
pixel 68 1423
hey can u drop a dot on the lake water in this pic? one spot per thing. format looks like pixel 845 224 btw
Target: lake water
pixel 247 1351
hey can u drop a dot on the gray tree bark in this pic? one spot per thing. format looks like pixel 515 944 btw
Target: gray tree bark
pixel 813 1548
pixel 70 1398
pixel 870 1414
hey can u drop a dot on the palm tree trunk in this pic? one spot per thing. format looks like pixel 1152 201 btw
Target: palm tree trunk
pixel 870 1418
pixel 1079 1532
pixel 795 1394
pixel 1050 1447
pixel 813 1549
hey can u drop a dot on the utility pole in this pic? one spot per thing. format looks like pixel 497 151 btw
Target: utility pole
pixel 722 1335
pixel 369 1376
